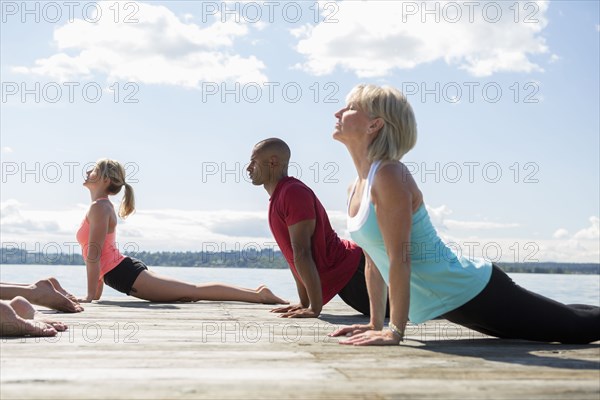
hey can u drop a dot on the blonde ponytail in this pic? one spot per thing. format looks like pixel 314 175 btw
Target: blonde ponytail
pixel 128 203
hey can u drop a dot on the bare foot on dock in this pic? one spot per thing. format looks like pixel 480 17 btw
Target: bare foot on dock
pixel 267 297
pixel 13 324
pixel 25 310
pixel 45 294
pixel 60 289
pixel 25 327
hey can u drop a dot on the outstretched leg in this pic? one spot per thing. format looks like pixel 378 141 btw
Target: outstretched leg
pixel 506 310
pixel 154 287
pixel 42 293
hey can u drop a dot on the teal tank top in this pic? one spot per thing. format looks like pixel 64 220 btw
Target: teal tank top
pixel 440 280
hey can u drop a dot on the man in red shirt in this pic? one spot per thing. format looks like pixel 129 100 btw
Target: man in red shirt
pixel 322 264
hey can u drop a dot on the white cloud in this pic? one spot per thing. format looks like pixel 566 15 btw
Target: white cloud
pixel 194 229
pixel 159 49
pixel 13 222
pixel 455 224
pixel 597 28
pixel 525 249
pixel 561 234
pixel 372 39
pixel 260 25
pixel 569 250
pixel 438 216
pixel 590 233
pixel 583 246
pixel 7 150
pixel 339 223
pixel 554 58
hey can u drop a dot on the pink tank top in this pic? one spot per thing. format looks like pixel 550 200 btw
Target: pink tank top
pixel 110 256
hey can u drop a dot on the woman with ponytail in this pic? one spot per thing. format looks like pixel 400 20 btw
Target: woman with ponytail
pixel 105 264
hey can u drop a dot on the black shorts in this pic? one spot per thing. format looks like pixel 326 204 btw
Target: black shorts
pixel 123 276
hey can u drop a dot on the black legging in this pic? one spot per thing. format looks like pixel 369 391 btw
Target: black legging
pixel 355 293
pixel 505 310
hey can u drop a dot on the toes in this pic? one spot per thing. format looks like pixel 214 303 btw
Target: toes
pixel 67 305
pixel 48 323
pixel 59 326
pixel 39 329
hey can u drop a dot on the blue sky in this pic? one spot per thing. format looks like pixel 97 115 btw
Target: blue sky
pixel 507 110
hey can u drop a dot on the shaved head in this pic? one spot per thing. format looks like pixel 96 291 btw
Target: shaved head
pixel 274 147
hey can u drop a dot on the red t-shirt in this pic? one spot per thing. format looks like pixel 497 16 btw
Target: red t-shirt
pixel 336 259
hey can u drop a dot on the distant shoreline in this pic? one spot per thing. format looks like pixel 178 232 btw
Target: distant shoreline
pixel 254 259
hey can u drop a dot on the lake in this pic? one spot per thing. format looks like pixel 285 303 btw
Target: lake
pixel 569 289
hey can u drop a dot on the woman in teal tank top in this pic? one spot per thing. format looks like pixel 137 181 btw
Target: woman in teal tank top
pixel 388 219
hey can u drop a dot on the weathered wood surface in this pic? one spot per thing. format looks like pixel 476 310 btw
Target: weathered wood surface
pixel 136 350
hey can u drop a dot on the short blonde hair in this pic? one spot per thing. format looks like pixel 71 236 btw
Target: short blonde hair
pixel 399 132
pixel 114 171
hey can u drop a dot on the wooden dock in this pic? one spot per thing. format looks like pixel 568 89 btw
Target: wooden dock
pixel 127 349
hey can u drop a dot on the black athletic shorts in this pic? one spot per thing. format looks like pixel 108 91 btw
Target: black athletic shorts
pixel 123 276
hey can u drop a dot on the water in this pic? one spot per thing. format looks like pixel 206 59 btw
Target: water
pixel 569 289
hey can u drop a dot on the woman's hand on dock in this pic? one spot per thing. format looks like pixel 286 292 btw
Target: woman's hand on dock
pixel 371 337
pixel 84 300
pixel 352 330
pixel 362 335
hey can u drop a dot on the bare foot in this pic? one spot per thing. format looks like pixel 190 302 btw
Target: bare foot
pixel 26 327
pixel 267 297
pixel 12 324
pixel 60 289
pixel 47 296
pixel 59 326
pixel 25 310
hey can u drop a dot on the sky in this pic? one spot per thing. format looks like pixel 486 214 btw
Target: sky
pixel 506 96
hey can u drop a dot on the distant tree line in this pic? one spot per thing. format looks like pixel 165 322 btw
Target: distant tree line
pixel 551 267
pixel 253 259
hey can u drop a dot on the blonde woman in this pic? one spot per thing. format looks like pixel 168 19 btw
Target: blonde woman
pixel 387 218
pixel 105 264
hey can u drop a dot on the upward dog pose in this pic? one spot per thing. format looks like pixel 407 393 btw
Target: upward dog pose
pixel 322 264
pixel 105 263
pixel 388 219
